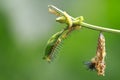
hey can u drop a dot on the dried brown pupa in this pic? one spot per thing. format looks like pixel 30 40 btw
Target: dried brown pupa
pixel 98 62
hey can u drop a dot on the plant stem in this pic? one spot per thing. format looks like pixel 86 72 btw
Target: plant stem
pixel 98 28
pixel 86 25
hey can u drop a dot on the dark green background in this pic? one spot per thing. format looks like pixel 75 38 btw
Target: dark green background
pixel 22 46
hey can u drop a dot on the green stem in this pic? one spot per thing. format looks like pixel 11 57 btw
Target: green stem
pixel 98 28
pixel 86 25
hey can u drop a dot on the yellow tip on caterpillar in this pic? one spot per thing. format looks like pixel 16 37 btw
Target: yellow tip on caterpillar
pixel 47 59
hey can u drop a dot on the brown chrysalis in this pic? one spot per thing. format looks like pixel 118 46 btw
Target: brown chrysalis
pixel 98 62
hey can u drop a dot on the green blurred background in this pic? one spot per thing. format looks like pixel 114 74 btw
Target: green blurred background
pixel 26 25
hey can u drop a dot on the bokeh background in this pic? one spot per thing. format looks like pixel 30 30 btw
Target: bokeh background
pixel 26 25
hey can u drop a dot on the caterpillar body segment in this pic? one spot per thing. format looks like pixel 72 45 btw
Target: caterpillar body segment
pixel 54 43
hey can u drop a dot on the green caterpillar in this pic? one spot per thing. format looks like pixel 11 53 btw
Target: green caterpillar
pixel 54 42
pixel 51 45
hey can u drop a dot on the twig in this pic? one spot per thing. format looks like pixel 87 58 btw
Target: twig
pixel 98 28
pixel 83 24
